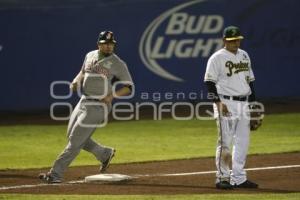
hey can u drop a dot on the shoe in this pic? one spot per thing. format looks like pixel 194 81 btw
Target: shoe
pixel 47 178
pixel 105 164
pixel 247 184
pixel 225 185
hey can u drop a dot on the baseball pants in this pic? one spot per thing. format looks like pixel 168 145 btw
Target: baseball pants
pixel 85 118
pixel 233 136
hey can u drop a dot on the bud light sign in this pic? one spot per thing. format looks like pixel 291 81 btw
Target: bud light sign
pixel 180 35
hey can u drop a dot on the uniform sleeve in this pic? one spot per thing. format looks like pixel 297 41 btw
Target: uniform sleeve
pixel 83 65
pixel 252 95
pixel 251 74
pixel 211 73
pixel 80 75
pixel 212 91
pixel 123 73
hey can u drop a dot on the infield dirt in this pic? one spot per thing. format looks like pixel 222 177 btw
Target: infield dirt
pixel 271 180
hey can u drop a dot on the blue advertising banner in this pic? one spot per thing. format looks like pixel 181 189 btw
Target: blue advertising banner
pixel 165 44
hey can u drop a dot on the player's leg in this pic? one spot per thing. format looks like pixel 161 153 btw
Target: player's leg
pixel 78 136
pixel 53 176
pixel 240 150
pixel 92 146
pixel 223 155
pixel 73 118
pixel 103 153
pixel 99 151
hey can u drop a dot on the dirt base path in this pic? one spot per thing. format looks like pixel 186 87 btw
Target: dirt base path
pixel 279 180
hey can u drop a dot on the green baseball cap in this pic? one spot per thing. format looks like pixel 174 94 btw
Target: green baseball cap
pixel 232 33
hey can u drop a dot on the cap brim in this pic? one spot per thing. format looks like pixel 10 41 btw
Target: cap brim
pixel 107 41
pixel 234 38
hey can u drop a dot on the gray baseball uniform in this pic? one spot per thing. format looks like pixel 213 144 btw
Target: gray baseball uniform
pixel 99 71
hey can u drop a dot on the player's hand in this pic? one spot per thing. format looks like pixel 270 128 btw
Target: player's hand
pixel 108 99
pixel 73 86
pixel 222 108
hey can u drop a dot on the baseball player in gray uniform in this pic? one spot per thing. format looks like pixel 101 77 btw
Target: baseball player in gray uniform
pixel 229 79
pixel 101 68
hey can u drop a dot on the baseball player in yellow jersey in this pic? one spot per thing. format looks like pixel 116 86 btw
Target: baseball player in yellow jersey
pixel 229 79
pixel 101 68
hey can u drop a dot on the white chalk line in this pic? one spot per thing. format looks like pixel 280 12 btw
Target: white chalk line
pixel 40 185
pixel 146 175
pixel 212 172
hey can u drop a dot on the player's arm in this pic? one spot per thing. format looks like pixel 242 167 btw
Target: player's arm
pixel 123 91
pixel 210 79
pixel 213 95
pixel 122 77
pixel 212 91
pixel 252 97
pixel 78 79
pixel 251 80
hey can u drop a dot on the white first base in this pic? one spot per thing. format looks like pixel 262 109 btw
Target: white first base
pixel 107 177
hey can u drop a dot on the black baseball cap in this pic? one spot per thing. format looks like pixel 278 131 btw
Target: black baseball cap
pixel 232 33
pixel 106 37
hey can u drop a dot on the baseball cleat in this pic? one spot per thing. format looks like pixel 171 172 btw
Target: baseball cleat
pixel 105 164
pixel 247 184
pixel 47 178
pixel 225 185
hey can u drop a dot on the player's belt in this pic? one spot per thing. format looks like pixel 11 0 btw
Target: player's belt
pixel 93 99
pixel 86 97
pixel 236 98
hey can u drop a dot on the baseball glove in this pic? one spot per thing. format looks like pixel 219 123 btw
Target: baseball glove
pixel 256 114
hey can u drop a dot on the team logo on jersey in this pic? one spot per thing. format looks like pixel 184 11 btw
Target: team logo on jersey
pixel 98 68
pixel 107 64
pixel 235 68
pixel 175 41
pixel 101 70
